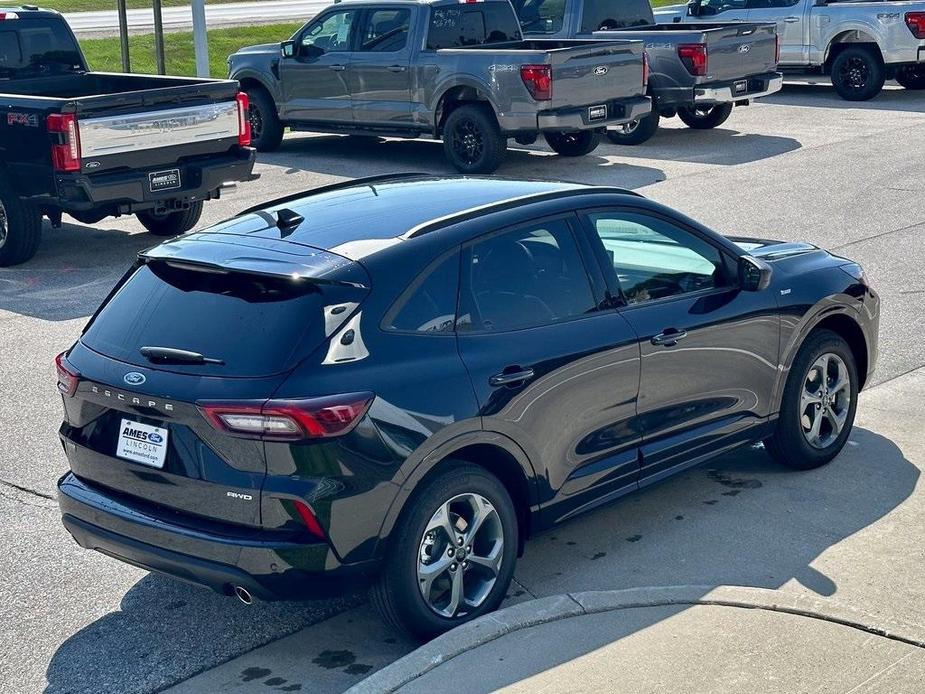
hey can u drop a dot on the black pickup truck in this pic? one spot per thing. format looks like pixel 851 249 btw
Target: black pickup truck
pixel 96 144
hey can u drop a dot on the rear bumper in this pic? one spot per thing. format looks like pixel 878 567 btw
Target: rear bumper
pixel 268 569
pixel 756 87
pixel 619 111
pixel 129 191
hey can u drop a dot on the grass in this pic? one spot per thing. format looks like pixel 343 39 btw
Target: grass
pixel 103 54
pixel 90 5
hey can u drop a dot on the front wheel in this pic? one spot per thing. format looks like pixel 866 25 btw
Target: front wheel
pixel 819 402
pixel 266 128
pixel 472 140
pixel 171 223
pixel 911 77
pixel 858 74
pixel 704 117
pixel 636 131
pixel 451 557
pixel 573 144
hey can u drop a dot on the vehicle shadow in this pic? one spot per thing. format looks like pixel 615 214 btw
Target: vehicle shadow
pixel 72 272
pixel 337 155
pixel 738 520
pixel 722 146
pixel 824 96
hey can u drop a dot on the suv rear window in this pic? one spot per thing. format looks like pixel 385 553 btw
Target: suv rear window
pixel 257 325
pixel 472 25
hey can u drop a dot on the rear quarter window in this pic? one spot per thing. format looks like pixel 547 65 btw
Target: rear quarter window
pixel 429 303
pixel 257 325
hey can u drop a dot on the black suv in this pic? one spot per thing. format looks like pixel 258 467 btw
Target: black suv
pixel 399 379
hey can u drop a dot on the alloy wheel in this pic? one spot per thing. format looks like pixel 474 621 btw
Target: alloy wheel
pixel 256 120
pixel 460 553
pixel 854 73
pixel 628 128
pixel 825 400
pixel 467 141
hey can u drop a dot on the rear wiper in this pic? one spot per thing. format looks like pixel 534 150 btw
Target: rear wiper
pixel 170 355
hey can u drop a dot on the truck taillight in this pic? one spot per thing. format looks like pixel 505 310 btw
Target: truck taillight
pixel 645 70
pixel 694 57
pixel 916 23
pixel 244 121
pixel 289 420
pixel 65 150
pixel 538 80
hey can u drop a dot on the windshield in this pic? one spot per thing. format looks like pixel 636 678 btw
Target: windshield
pixel 35 47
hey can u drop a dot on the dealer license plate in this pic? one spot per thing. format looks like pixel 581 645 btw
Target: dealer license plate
pixel 142 443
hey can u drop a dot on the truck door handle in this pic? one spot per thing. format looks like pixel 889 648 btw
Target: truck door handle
pixel 791 20
pixel 510 378
pixel 396 68
pixel 338 68
pixel 669 337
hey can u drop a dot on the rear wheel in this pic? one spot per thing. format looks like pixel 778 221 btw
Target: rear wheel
pixel 573 144
pixel 451 557
pixel 820 398
pixel 20 227
pixel 704 117
pixel 636 131
pixel 858 74
pixel 911 76
pixel 472 140
pixel 266 129
pixel 171 223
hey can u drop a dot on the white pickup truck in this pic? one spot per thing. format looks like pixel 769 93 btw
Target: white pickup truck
pixel 859 44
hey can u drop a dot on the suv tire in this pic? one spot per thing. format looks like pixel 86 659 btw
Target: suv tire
pixel 472 140
pixel 171 223
pixel 704 118
pixel 635 132
pixel 858 74
pixel 419 541
pixel 20 227
pixel 266 129
pixel 800 407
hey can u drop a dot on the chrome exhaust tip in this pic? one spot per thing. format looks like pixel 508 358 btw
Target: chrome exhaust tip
pixel 243 595
pixel 228 187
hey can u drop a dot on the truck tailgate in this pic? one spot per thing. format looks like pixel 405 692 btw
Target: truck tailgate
pixel 738 50
pixel 592 72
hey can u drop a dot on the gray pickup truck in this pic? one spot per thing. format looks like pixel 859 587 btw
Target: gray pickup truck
pixel 860 44
pixel 460 71
pixel 697 71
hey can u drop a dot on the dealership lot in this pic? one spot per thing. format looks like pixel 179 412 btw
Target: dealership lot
pixel 800 165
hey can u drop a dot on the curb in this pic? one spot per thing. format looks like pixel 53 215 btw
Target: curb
pixel 550 609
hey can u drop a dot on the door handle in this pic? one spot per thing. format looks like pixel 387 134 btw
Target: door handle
pixel 669 337
pixel 510 378
pixel 791 20
pixel 396 68
pixel 338 68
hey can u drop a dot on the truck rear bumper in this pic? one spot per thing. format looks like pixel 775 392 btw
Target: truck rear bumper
pixel 753 87
pixel 200 178
pixel 580 117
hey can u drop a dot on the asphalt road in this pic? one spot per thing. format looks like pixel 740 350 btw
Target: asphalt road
pixel 801 165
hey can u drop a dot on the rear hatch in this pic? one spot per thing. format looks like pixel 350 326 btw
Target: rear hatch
pixel 253 309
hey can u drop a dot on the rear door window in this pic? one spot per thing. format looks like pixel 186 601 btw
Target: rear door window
pixel 385 31
pixel 472 25
pixel 257 325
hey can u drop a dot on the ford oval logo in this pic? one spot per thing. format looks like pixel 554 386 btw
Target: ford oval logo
pixel 601 70
pixel 154 437
pixel 745 48
pixel 133 378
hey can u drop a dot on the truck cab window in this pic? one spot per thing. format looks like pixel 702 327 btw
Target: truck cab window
pixel 604 14
pixel 457 27
pixel 330 33
pixel 386 31
pixel 713 7
pixel 540 16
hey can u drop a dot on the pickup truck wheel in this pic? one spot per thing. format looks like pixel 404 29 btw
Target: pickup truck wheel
pixel 911 76
pixel 636 131
pixel 171 223
pixel 857 74
pixel 575 144
pixel 20 228
pixel 266 130
pixel 818 405
pixel 472 139
pixel 704 117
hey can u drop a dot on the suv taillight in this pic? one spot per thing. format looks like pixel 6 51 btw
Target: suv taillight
pixel 694 57
pixel 916 23
pixel 244 121
pixel 289 420
pixel 538 81
pixel 65 149
pixel 67 377
pixel 645 70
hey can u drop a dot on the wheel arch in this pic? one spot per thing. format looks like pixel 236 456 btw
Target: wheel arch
pixel 857 36
pixel 249 80
pixel 454 96
pixel 494 452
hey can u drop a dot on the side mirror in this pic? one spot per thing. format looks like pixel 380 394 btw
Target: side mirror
pixel 754 274
pixel 287 49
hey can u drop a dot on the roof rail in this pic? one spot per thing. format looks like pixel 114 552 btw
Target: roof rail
pixel 367 180
pixel 510 203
